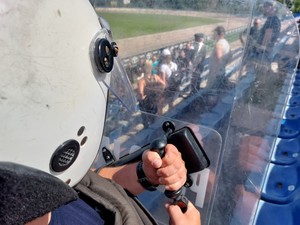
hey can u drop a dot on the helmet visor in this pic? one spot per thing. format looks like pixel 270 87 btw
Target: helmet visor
pixel 121 87
pixel 108 69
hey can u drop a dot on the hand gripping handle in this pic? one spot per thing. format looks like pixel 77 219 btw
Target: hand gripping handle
pixel 179 199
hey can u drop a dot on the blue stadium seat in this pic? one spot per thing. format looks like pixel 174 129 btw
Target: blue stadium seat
pixel 286 151
pixel 295 91
pixel 294 101
pixel 292 113
pixel 297 82
pixel 289 128
pixel 281 184
pixel 273 214
pixel 297 76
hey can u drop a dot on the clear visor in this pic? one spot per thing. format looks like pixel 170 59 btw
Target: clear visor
pixel 121 87
pixel 108 68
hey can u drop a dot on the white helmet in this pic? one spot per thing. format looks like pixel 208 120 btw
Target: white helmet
pixel 55 68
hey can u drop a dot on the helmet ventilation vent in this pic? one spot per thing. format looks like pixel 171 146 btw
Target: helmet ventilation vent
pixel 64 156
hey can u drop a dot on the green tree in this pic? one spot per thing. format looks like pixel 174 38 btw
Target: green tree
pixel 296 6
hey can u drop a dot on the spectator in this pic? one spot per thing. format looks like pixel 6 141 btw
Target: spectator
pixel 219 58
pixel 140 69
pixel 269 33
pixel 168 73
pixel 198 61
pixel 249 41
pixel 132 74
pixel 168 67
pixel 182 62
pixel 150 88
pixel 189 51
pixel 155 64
pixel 254 33
pixel 184 68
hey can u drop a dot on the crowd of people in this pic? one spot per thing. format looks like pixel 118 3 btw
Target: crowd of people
pixel 173 68
pixel 159 78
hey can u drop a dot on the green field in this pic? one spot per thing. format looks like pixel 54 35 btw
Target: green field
pixel 126 25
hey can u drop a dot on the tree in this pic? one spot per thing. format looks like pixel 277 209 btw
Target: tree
pixel 296 6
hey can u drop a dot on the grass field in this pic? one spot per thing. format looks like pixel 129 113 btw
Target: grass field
pixel 126 25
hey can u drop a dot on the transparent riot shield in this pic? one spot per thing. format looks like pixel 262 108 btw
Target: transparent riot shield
pixel 126 138
pixel 262 96
pixel 234 98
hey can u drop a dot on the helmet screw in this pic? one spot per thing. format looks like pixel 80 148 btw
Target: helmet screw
pixel 115 49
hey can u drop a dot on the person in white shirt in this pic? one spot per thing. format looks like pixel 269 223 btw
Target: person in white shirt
pixel 168 72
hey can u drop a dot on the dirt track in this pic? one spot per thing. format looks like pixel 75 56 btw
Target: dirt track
pixel 142 44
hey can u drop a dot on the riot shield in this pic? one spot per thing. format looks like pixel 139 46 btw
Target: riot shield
pixel 234 104
pixel 126 138
pixel 267 74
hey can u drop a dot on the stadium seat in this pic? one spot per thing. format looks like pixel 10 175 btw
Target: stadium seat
pixel 286 151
